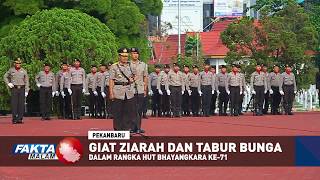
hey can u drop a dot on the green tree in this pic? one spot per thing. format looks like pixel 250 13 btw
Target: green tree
pixel 54 36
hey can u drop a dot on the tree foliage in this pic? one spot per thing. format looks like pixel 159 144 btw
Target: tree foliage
pixel 282 36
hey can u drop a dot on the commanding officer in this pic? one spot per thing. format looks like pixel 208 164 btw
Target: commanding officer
pixel 17 80
pixel 186 96
pixel 165 102
pixel 78 80
pixel 195 89
pixel 223 96
pixel 288 88
pixel 267 94
pixel 65 91
pixel 46 82
pixel 214 95
pixel 274 85
pixel 234 88
pixel 207 82
pixel 153 92
pixel 243 78
pixel 122 91
pixel 101 82
pixel 140 73
pixel 175 88
pixel 258 83
pixel 91 91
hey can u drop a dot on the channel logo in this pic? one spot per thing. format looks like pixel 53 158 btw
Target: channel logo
pixel 68 150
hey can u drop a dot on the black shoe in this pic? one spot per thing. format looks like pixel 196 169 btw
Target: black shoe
pixel 20 122
pixel 132 131
pixel 290 113
pixel 140 131
pixel 14 122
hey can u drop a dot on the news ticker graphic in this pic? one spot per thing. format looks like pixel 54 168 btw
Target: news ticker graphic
pixel 117 148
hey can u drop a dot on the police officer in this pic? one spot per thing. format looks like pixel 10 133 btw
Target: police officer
pixel 100 78
pixel 186 96
pixel 161 83
pixel 60 99
pixel 195 89
pixel 234 89
pixel 207 88
pixel 243 78
pixel 122 91
pixel 274 86
pixel 258 84
pixel 45 80
pixel 17 80
pixel 65 91
pixel 288 89
pixel 91 91
pixel 175 89
pixel 140 72
pixel 223 95
pixel 153 92
pixel 78 80
pixel 267 94
pixel 214 95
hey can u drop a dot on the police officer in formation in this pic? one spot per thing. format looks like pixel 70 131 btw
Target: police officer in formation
pixel 90 86
pixel 195 88
pixel 258 83
pixel 243 78
pixel 65 91
pixel 223 95
pixel 45 81
pixel 234 89
pixel 186 93
pixel 214 92
pixel 267 94
pixel 153 91
pixel 17 80
pixel 161 87
pixel 122 91
pixel 274 83
pixel 175 88
pixel 207 82
pixel 101 83
pixel 140 74
pixel 288 89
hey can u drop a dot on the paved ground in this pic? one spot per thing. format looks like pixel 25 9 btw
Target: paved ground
pixel 248 125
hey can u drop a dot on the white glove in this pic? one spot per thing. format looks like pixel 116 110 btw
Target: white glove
pixel 39 85
pixel 150 93
pixel 103 95
pixel 213 92
pixel 189 92
pixel 281 92
pixel 200 93
pixel 253 92
pixel 228 92
pixel 218 92
pixel 83 90
pixel 270 91
pixel 160 92
pixel 86 94
pixel 265 91
pixel 182 92
pixel 57 93
pixel 63 94
pixel 168 92
pixel 53 93
pixel 70 91
pixel 244 92
pixel 26 94
pixel 10 85
pixel 295 92
pixel 95 93
pixel 241 93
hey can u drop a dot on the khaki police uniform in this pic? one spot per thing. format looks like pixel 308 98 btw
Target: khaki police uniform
pixel 165 101
pixel 65 89
pixel 258 83
pixel 78 79
pixel 156 98
pixel 47 89
pixel 19 80
pixel 289 87
pixel 91 86
pixel 207 82
pixel 195 87
pixel 234 87
pixel 223 95
pixel 175 85
pixel 274 85
pixel 124 104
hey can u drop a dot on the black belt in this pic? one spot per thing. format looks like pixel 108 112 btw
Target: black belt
pixel 122 83
pixel 19 86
